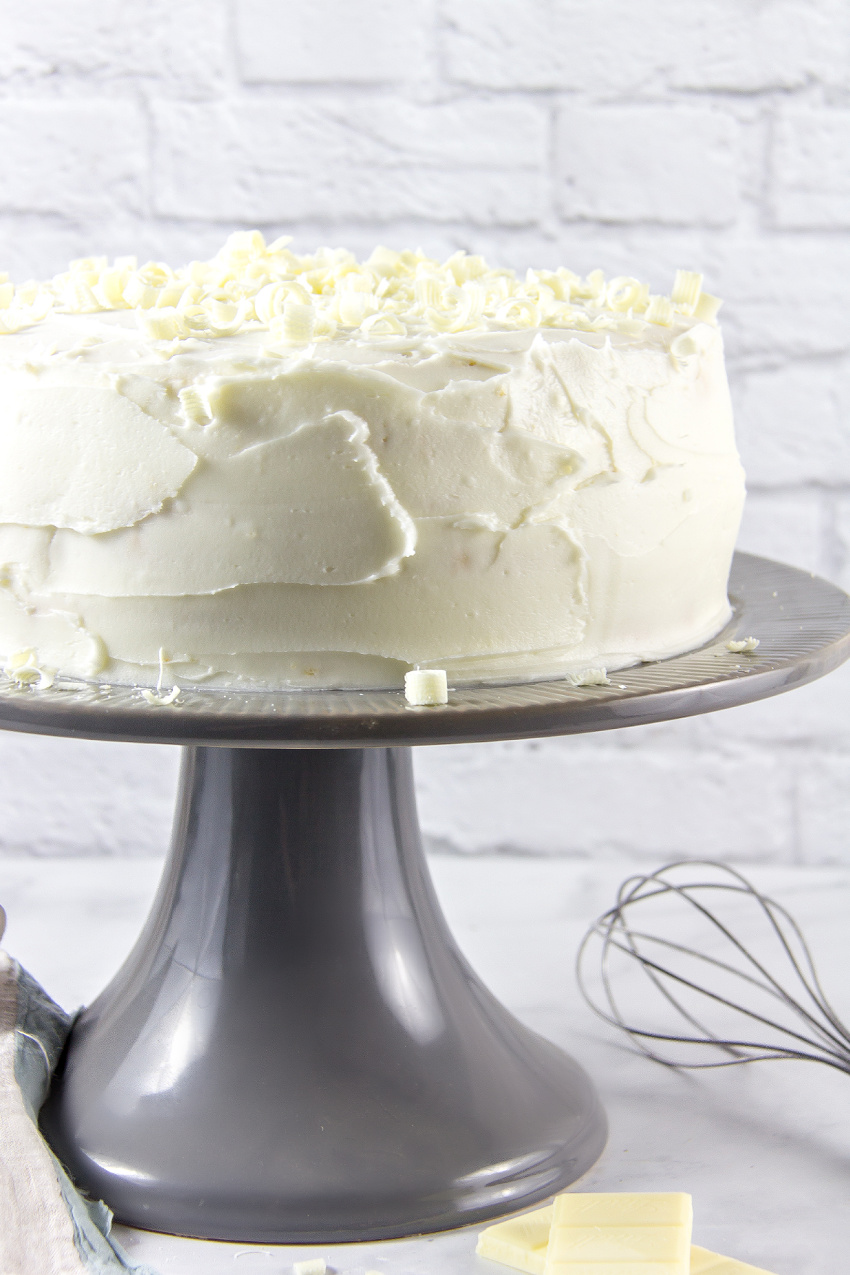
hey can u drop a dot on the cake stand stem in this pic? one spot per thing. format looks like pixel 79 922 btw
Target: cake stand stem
pixel 295 1050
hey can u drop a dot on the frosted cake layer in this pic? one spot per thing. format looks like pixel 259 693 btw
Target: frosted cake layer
pixel 271 470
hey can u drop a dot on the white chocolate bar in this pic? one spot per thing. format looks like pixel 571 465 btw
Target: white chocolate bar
pixel 522 1243
pixel 705 1263
pixel 620 1233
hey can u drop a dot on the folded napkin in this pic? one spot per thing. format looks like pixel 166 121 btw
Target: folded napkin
pixel 46 1226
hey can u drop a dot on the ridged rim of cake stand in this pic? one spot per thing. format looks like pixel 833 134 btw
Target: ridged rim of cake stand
pixel 801 621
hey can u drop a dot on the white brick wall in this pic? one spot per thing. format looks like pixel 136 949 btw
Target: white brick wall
pixel 327 42
pixel 83 159
pixel 688 174
pixel 245 159
pixel 811 178
pixel 635 136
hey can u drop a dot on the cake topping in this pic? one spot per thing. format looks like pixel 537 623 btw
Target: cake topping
pixel 660 310
pixel 312 1266
pixel 686 290
pixel 426 687
pixel 301 299
pixel 745 646
pixel 23 669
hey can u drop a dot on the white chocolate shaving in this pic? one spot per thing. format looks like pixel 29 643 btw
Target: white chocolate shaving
pixel 707 307
pixel 195 406
pixel 159 697
pixel 627 294
pixel 161 701
pixel 163 325
pixel 660 310
pixel 296 327
pixel 23 669
pixel 589 677
pixel 745 646
pixel 686 289
pixel 299 299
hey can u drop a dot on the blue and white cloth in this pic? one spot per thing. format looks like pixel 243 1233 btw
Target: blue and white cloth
pixel 46 1226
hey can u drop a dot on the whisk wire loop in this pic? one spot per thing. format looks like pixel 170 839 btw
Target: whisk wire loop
pixel 813 1030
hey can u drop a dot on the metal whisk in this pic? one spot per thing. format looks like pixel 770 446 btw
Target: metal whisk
pixel 718 983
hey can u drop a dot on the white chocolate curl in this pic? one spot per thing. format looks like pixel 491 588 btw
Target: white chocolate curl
pixel 328 294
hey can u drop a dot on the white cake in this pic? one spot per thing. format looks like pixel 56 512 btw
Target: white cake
pixel 273 470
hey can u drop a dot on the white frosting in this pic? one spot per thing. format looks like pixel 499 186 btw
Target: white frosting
pixel 497 499
pixel 83 457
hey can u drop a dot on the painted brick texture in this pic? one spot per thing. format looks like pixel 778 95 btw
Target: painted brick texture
pixel 688 175
pixel 246 159
pixel 810 185
pixel 636 137
pixel 363 42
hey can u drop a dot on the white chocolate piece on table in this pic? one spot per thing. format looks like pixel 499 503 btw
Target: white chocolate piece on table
pixel 426 686
pixel 520 1242
pixel 620 1233
pixel 705 1263
pixel 311 1266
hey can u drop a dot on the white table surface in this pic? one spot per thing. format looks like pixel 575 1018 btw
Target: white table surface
pixel 764 1150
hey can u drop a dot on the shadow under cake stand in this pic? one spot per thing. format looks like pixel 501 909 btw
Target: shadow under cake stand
pixel 295 1050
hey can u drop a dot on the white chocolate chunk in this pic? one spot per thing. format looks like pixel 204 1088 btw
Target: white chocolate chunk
pixel 84 457
pixel 426 686
pixel 520 1242
pixel 624 1233
pixel 705 1263
pixel 312 1266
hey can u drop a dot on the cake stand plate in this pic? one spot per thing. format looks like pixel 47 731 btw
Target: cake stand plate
pixel 800 620
pixel 295 1050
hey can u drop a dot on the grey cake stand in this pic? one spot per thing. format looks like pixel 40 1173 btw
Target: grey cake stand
pixel 295 1050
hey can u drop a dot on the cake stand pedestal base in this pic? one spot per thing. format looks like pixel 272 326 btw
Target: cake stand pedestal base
pixel 295 1050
